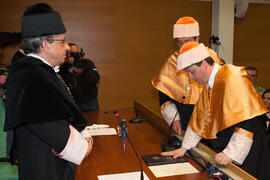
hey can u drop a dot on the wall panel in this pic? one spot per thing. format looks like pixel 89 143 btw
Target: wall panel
pixel 130 40
pixel 252 41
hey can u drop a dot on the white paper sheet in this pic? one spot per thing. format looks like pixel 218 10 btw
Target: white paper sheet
pixel 123 176
pixel 172 169
pixel 102 131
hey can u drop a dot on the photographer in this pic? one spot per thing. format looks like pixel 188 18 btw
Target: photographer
pixel 85 88
pixel 81 77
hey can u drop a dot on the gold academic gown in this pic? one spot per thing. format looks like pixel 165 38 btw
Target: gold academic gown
pixel 177 85
pixel 231 100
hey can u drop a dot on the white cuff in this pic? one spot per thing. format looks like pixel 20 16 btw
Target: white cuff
pixel 168 112
pixel 191 139
pixel 238 147
pixel 76 147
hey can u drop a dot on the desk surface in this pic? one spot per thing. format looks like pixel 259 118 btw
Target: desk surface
pixel 112 155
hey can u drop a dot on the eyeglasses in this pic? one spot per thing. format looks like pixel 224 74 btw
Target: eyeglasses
pixel 182 42
pixel 60 40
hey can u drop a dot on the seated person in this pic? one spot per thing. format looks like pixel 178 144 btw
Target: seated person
pixel 253 74
pixel 7 171
pixel 266 100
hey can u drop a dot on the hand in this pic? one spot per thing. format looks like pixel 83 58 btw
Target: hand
pixel 222 159
pixel 90 146
pixel 78 70
pixel 176 153
pixel 177 127
pixel 88 139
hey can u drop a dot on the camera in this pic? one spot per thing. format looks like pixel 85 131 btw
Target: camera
pixel 77 58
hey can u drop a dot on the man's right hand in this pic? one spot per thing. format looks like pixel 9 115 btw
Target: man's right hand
pixel 177 127
pixel 78 70
pixel 90 146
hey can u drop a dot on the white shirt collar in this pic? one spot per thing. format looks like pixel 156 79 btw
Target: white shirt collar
pixel 56 68
pixel 213 75
pixel 38 57
pixel 21 50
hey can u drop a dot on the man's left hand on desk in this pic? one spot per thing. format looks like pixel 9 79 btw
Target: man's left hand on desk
pixel 176 153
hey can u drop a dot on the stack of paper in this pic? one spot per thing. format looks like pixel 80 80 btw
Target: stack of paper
pixel 100 129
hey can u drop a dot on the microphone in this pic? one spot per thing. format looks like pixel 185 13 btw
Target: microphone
pixel 173 141
pixel 111 111
pixel 116 114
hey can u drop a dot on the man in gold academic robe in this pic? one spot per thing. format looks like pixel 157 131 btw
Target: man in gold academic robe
pixel 177 94
pixel 228 113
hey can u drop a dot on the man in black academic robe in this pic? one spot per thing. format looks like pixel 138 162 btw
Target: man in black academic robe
pixel 47 125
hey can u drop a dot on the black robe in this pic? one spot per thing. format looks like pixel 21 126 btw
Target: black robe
pixel 184 110
pixel 17 56
pixel 265 117
pixel 257 162
pixel 39 110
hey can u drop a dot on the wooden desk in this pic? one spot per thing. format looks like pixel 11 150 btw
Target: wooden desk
pixel 112 155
